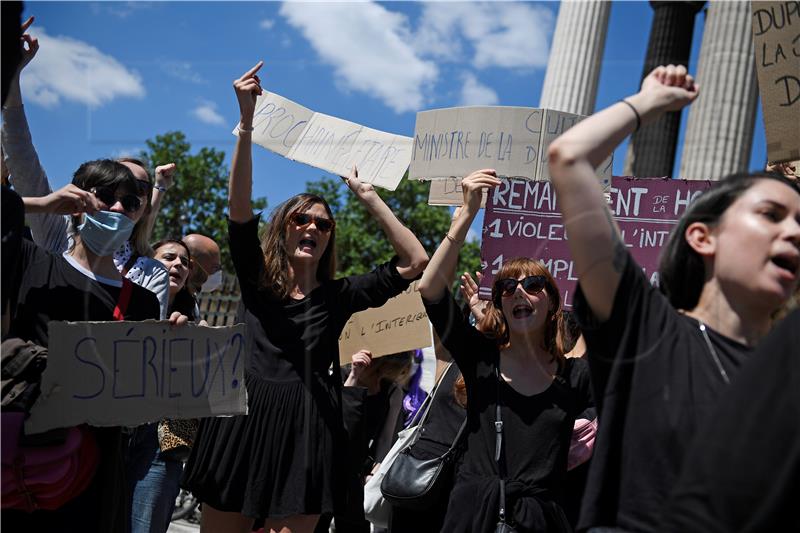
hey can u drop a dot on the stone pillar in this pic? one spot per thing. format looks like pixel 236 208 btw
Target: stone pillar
pixel 651 151
pixel 570 83
pixel 719 134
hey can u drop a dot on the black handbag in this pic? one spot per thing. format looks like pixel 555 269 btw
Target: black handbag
pixel 414 483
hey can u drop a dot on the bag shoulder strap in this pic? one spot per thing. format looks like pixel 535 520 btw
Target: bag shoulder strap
pixel 498 444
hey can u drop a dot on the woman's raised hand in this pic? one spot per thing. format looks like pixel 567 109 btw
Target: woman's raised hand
pixel 248 88
pixel 29 44
pixel 469 290
pixel 356 185
pixel 67 200
pixel 474 185
pixel 670 88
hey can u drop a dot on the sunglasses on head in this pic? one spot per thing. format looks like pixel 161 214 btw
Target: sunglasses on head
pixel 304 219
pixel 531 284
pixel 107 195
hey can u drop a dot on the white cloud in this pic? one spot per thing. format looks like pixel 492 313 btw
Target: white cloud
pixel 368 48
pixel 266 24
pixel 128 151
pixel 182 70
pixel 76 71
pixel 473 92
pixel 502 34
pixel 207 112
pixel 119 9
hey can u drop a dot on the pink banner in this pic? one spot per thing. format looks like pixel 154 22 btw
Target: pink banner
pixel 522 220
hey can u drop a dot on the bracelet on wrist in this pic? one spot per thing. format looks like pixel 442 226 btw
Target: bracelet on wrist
pixel 452 239
pixel 635 112
pixel 160 188
pixel 244 130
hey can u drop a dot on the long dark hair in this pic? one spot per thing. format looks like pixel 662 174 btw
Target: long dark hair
pixel 682 272
pixel 273 245
pixel 494 324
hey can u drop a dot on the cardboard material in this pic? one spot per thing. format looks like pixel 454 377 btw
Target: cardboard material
pixel 456 141
pixel 447 191
pixel 130 373
pixel 400 324
pixel 776 36
pixel 329 143
pixel 522 220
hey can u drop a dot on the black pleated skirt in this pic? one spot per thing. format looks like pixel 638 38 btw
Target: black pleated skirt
pixel 278 460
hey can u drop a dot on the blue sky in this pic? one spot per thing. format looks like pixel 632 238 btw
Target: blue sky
pixel 111 74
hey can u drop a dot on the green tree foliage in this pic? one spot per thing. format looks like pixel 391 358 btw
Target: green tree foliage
pixel 198 199
pixel 360 242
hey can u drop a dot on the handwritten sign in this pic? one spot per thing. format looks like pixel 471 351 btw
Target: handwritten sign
pixel 400 324
pixel 522 220
pixel 129 373
pixel 454 142
pixel 329 143
pixel 447 191
pixel 776 36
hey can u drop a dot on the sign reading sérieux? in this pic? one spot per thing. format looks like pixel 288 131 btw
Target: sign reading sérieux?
pixel 399 325
pixel 513 141
pixel 329 143
pixel 776 36
pixel 129 373
pixel 522 220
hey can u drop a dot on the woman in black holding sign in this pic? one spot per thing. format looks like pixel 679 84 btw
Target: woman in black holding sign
pixel 513 365
pixel 660 358
pixel 281 461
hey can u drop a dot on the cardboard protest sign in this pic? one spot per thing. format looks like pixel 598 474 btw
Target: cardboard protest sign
pixel 400 324
pixel 776 36
pixel 447 191
pixel 522 220
pixel 329 143
pixel 129 373
pixel 454 142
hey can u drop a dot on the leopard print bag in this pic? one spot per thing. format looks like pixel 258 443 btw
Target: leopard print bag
pixel 176 437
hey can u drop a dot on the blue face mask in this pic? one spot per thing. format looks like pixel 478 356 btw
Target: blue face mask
pixel 105 231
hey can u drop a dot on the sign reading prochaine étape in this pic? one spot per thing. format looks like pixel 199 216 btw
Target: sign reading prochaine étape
pixel 329 143
pixel 512 140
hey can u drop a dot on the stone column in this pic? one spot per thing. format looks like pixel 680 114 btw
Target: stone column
pixel 651 151
pixel 719 134
pixel 570 83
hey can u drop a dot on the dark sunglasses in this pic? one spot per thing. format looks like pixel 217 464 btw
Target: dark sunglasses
pixel 107 195
pixel 304 219
pixel 532 285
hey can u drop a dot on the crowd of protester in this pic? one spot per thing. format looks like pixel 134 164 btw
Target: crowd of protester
pixel 669 408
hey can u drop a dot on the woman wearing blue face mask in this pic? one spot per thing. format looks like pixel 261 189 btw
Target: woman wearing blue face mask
pixel 83 284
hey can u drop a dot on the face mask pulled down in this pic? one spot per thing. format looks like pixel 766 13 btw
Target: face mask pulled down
pixel 105 231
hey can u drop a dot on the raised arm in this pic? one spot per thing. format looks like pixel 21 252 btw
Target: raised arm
pixel 27 174
pixel 594 241
pixel 438 275
pixel 413 257
pixel 164 177
pixel 240 185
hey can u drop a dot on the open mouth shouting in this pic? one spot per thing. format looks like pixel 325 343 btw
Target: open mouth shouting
pixel 522 311
pixel 307 244
pixel 788 264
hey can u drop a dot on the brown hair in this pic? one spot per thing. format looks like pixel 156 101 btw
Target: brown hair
pixel 273 245
pixel 494 325
pixel 140 236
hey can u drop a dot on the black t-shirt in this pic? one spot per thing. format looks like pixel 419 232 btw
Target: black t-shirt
pixel 742 471
pixel 53 289
pixel 655 381
pixel 536 429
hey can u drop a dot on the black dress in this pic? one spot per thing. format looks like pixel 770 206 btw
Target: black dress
pixel 537 433
pixel 655 380
pixel 284 458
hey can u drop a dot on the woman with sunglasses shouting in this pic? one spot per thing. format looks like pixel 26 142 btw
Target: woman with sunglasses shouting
pixel 523 395
pixel 282 461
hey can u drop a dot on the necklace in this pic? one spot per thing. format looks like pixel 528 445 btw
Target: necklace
pixel 714 355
